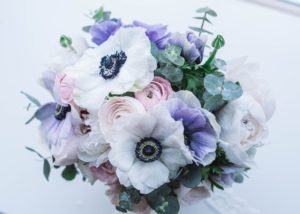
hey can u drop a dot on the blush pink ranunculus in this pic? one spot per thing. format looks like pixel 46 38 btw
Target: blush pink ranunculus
pixel 105 173
pixel 159 89
pixel 64 87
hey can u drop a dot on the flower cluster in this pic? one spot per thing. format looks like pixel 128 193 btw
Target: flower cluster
pixel 150 114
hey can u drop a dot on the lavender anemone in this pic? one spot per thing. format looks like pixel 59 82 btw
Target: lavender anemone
pixel 101 31
pixel 200 134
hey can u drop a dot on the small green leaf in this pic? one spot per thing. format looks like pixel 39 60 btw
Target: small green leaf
pixel 172 53
pixel 34 151
pixel 207 10
pixel 238 178
pixel 231 91
pixel 69 173
pixel 46 169
pixel 101 15
pixel 218 42
pixel 65 41
pixel 32 99
pixel 213 84
pixel 87 28
pixel 191 176
pixel 214 103
pixel 171 73
pixel 200 30
pixel 203 19
pixel 212 13
pixel 30 119
pixel 121 209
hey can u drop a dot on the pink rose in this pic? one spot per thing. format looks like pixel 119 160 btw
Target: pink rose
pixel 105 173
pixel 64 87
pixel 159 89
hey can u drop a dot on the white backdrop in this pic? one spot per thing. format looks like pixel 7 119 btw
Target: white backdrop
pixel 29 33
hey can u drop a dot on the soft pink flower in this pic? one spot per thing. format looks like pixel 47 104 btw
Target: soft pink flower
pixel 159 89
pixel 105 173
pixel 64 87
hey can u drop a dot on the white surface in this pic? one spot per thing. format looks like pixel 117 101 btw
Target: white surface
pixel 29 32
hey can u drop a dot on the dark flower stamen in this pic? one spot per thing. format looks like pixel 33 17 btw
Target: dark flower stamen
pixel 110 65
pixel 61 111
pixel 148 150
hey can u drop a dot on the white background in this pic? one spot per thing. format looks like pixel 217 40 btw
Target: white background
pixel 29 34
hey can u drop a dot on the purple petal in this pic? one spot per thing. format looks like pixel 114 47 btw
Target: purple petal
pixel 101 31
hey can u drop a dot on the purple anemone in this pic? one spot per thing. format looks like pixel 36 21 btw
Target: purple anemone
pixel 156 33
pixel 191 44
pixel 199 134
pixel 101 31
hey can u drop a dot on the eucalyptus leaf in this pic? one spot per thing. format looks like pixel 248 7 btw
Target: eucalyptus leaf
pixel 212 13
pixel 46 169
pixel 200 30
pixel 34 151
pixel 69 173
pixel 172 53
pixel 125 201
pixel 30 119
pixel 214 103
pixel 87 28
pixel 191 176
pixel 213 84
pixel 32 99
pixel 231 91
pixel 203 19
pixel 238 178
pixel 220 64
pixel 171 73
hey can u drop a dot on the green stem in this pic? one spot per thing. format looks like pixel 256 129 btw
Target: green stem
pixel 211 58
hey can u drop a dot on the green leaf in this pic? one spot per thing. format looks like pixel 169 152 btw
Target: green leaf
pixel 65 41
pixel 207 10
pixel 172 53
pixel 213 84
pixel 69 173
pixel 220 64
pixel 34 151
pixel 101 15
pixel 205 19
pixel 238 178
pixel 218 42
pixel 214 103
pixel 32 99
pixel 87 28
pixel 125 201
pixel 30 119
pixel 191 176
pixel 121 209
pixel 231 91
pixel 200 30
pixel 170 206
pixel 46 169
pixel 171 73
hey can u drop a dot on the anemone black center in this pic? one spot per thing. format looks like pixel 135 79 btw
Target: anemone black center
pixel 148 150
pixel 61 111
pixel 110 65
pixel 187 138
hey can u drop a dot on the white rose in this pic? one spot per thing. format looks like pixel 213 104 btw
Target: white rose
pixel 244 121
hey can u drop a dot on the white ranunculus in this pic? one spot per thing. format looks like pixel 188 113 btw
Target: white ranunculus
pixel 68 56
pixel 148 149
pixel 94 150
pixel 244 121
pixel 123 63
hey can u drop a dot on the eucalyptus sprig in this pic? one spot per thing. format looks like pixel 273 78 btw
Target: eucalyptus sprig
pixel 205 13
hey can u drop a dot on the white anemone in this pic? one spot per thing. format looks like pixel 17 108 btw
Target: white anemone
pixel 148 149
pixel 123 63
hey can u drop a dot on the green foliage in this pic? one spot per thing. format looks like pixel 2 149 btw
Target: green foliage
pixel 190 177
pixel 163 201
pixel 170 72
pixel 127 198
pixel 204 14
pixel 65 41
pixel 217 43
pixel 219 91
pixel 32 99
pixel 46 169
pixel 101 15
pixel 69 173
pixel 46 165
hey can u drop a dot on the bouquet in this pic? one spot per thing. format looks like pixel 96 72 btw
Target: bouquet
pixel 155 115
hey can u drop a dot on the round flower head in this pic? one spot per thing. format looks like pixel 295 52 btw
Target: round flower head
pixel 148 149
pixel 159 89
pixel 123 63
pixel 200 127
